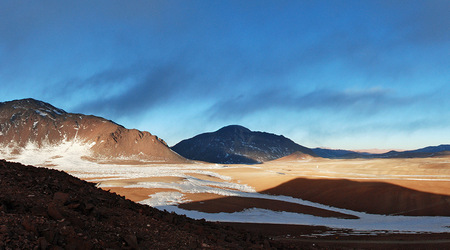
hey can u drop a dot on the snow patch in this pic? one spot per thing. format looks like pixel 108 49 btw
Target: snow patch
pixel 65 153
pixel 44 113
pixel 164 198
pixel 369 222
pixel 194 185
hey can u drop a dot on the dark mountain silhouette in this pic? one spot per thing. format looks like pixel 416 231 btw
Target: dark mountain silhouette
pixel 417 153
pixel 432 149
pixel 31 122
pixel 338 153
pixel 239 145
pixel 421 152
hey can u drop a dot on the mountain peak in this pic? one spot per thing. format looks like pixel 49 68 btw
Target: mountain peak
pixel 234 129
pixel 39 107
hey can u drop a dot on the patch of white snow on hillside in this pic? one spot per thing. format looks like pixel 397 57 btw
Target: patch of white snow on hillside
pixel 194 185
pixel 57 111
pixel 142 171
pixel 43 114
pixel 369 222
pixel 164 199
pixel 67 153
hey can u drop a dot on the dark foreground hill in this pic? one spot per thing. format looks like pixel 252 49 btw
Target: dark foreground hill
pixel 238 145
pixel 49 209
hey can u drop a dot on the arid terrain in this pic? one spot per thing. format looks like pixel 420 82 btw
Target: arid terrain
pixel 298 199
pixel 224 124
pixel 257 206
pixel 418 186
pixel 383 202
pixel 48 209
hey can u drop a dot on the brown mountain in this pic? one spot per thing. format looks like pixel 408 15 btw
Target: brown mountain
pixel 29 123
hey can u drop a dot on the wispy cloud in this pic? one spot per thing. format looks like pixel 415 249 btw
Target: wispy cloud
pixel 119 59
pixel 356 102
pixel 160 85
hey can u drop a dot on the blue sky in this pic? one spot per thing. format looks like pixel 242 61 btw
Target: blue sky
pixel 340 74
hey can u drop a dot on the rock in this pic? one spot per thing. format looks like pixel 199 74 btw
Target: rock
pixel 53 212
pixel 131 240
pixel 43 243
pixel 29 226
pixel 89 206
pixel 60 197
pixel 67 230
pixel 50 236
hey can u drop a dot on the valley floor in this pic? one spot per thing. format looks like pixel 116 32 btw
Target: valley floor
pixel 363 198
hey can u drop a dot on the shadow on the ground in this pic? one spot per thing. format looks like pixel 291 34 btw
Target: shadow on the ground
pixel 370 197
pixel 365 196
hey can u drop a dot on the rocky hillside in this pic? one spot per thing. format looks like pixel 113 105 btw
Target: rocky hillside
pixel 31 125
pixel 49 209
pixel 237 144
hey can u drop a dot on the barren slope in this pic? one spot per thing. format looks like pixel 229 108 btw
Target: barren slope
pixel 32 124
pixel 49 209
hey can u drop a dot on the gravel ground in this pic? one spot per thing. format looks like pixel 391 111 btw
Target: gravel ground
pixel 49 209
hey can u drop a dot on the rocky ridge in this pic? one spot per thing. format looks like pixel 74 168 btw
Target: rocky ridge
pixel 38 125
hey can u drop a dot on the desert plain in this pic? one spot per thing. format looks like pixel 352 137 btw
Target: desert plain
pixel 295 198
pixel 362 195
pixel 368 203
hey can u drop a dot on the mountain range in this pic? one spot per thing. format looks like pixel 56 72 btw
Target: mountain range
pixel 44 133
pixel 347 154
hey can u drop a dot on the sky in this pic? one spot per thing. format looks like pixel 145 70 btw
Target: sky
pixel 339 74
